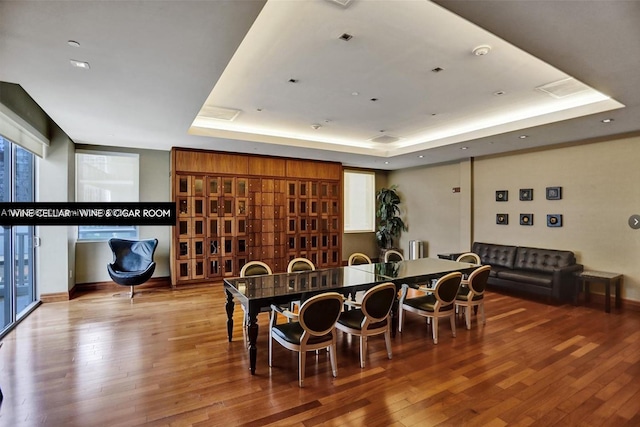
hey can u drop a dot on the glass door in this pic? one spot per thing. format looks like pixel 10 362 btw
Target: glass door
pixel 17 255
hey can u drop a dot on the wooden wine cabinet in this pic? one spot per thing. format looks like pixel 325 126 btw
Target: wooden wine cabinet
pixel 234 208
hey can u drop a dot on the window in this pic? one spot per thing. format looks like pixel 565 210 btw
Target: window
pixel 107 177
pixel 17 254
pixel 359 198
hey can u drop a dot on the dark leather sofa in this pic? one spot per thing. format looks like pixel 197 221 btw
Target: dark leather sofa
pixel 534 271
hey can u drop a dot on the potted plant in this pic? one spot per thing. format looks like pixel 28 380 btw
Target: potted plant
pixel 389 222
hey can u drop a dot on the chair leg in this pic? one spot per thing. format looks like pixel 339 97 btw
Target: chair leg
pixel 453 324
pixel 302 359
pixel 400 320
pixel 467 313
pixel 270 349
pixel 434 327
pixel 131 292
pixel 387 340
pixel 363 349
pixel 481 306
pixel 332 358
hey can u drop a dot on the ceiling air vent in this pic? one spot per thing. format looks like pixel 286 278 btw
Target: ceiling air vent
pixel 219 113
pixel 343 3
pixel 563 88
pixel 384 139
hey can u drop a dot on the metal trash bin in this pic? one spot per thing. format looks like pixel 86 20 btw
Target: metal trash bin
pixel 416 249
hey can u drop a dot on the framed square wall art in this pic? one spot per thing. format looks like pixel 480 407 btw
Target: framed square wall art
pixel 554 193
pixel 526 194
pixel 526 219
pixel 554 220
pixel 502 195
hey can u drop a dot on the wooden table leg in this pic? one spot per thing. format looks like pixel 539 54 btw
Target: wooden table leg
pixel 253 338
pixel 587 293
pixel 229 306
pixel 618 297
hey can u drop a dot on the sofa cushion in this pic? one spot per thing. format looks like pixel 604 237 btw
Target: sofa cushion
pixel 521 276
pixel 495 271
pixel 495 255
pixel 543 260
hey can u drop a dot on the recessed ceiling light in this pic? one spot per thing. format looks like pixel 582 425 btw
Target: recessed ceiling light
pixel 606 120
pixel 386 163
pixel 293 80
pixel 316 126
pixel 374 99
pixel 421 156
pixel 464 148
pixel 346 37
pixel 355 93
pixel 481 50
pixel 499 93
pixel 79 64
pixel 73 43
pixel 258 110
pixel 437 69
pixel 523 136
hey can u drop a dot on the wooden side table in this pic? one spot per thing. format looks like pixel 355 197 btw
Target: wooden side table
pixel 450 256
pixel 609 279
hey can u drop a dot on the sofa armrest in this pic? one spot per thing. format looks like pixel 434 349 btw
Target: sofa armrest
pixel 564 282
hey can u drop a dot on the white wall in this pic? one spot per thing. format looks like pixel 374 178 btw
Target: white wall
pixel 92 257
pixel 432 211
pixel 600 192
pixel 55 261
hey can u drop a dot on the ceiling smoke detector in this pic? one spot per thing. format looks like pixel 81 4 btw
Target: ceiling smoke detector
pixel 345 37
pixel 481 50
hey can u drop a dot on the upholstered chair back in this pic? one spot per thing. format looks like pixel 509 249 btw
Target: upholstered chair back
pixel 377 301
pixel 132 255
pixel 478 279
pixel 447 288
pixel 300 264
pixel 358 258
pixel 319 314
pixel 255 268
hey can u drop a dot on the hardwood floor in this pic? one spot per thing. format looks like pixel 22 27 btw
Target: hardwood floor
pixel 163 359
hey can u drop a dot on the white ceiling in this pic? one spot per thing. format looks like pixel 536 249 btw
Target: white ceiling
pixel 155 64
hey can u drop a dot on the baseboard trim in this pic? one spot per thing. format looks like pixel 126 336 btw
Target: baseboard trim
pixel 154 282
pixel 598 300
pixel 56 296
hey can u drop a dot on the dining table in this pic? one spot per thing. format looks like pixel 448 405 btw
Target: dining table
pixel 258 292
